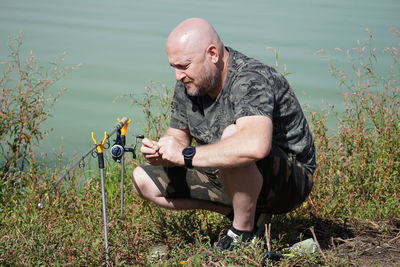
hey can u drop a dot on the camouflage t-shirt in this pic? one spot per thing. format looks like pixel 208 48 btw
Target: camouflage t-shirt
pixel 251 88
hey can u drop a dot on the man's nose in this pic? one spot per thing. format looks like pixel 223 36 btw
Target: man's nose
pixel 179 74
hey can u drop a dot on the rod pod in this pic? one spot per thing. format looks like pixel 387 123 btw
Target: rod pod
pixel 77 163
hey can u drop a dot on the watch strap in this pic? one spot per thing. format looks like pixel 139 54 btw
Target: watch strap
pixel 188 163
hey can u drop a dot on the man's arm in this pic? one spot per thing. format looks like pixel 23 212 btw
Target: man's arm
pixel 182 135
pixel 250 142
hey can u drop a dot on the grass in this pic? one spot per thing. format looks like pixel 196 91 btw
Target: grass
pixel 353 210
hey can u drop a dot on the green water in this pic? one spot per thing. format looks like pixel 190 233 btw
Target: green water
pixel 120 45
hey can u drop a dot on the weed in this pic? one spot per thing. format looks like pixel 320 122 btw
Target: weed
pixel 156 107
pixel 24 105
pixel 361 161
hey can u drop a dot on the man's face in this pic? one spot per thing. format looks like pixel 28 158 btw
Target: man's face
pixel 196 71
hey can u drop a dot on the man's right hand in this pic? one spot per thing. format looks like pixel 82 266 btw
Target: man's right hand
pixel 149 150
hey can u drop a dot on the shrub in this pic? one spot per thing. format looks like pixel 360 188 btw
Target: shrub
pixel 25 103
pixel 156 107
pixel 359 164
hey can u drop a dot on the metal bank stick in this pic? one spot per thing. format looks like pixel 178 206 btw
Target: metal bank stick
pixel 100 157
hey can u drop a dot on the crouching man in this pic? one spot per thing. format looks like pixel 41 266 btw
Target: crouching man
pixel 254 153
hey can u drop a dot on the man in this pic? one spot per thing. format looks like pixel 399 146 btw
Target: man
pixel 254 151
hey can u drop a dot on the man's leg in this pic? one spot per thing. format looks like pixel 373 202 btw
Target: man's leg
pixel 147 189
pixel 243 185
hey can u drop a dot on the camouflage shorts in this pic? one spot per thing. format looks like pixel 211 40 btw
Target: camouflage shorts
pixel 286 184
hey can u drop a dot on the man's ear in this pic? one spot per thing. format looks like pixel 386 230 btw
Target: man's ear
pixel 212 52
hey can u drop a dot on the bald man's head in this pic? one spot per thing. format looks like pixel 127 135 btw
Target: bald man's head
pixel 196 52
pixel 194 34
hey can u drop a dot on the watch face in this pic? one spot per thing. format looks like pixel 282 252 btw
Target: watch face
pixel 189 152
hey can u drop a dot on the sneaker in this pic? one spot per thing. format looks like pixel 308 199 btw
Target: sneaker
pixel 232 240
pixel 260 220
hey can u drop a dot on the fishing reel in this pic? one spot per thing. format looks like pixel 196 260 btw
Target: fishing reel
pixel 118 149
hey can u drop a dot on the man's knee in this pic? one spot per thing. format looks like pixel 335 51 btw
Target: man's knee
pixel 140 179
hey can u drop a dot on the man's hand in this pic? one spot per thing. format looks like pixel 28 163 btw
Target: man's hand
pixel 166 152
pixel 170 150
pixel 150 149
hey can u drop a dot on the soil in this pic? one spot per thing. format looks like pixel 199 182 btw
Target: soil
pixel 349 242
pixel 374 243
pixel 360 242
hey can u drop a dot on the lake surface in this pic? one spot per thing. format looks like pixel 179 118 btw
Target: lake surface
pixel 120 45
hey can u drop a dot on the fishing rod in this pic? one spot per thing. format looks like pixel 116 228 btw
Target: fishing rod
pixel 80 162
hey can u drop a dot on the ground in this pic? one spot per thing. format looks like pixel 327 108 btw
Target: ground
pixel 374 243
pixel 343 242
pixel 360 242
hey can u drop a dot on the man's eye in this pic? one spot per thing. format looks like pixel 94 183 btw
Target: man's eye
pixel 181 67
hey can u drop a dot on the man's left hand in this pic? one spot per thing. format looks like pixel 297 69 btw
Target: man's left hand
pixel 170 150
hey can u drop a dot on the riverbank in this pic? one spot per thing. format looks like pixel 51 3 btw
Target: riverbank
pixel 353 209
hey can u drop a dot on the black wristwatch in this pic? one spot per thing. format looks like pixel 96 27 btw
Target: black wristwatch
pixel 188 154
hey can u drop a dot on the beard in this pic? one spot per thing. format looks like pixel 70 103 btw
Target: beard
pixel 208 82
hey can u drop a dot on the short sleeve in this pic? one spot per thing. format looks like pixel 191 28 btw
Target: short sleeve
pixel 178 108
pixel 253 95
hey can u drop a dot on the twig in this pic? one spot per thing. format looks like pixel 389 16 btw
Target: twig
pixel 333 243
pixel 347 241
pixel 316 241
pixel 235 257
pixel 394 239
pixel 374 224
pixel 268 235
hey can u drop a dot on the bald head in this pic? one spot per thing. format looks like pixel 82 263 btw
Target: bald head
pixel 193 35
pixel 198 56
